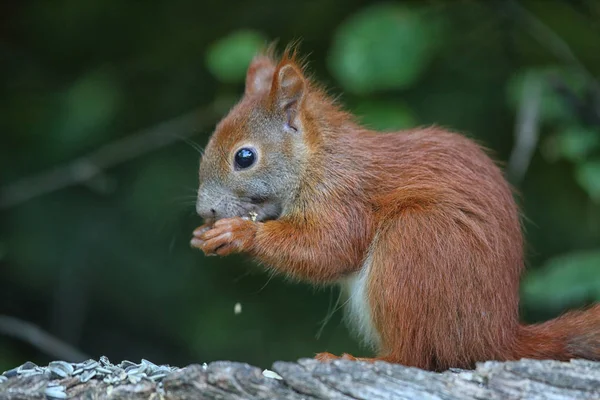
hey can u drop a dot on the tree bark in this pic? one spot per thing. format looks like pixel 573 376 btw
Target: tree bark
pixel 310 379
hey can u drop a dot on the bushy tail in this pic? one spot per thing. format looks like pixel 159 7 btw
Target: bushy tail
pixel 573 335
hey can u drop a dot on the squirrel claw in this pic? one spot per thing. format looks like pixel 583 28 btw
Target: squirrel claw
pixel 202 229
pixel 226 236
pixel 196 243
pixel 345 356
pixel 326 357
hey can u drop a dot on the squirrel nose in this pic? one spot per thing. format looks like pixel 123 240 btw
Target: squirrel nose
pixel 210 204
pixel 205 211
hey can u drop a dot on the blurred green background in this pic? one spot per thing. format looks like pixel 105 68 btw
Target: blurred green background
pixel 99 157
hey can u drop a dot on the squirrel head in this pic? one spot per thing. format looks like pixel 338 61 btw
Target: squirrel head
pixel 254 159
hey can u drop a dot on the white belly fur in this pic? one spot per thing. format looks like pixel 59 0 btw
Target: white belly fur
pixel 358 310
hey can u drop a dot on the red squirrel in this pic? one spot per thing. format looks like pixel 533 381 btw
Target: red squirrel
pixel 419 227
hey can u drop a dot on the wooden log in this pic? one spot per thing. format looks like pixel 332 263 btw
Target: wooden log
pixel 310 379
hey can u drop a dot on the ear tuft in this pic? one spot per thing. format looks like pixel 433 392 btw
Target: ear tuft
pixel 289 86
pixel 283 81
pixel 260 74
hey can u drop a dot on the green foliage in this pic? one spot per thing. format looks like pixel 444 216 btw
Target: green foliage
pixel 553 106
pixel 579 145
pixel 384 115
pixel 89 106
pixel 588 176
pixel 574 143
pixel 229 57
pixel 569 279
pixel 385 46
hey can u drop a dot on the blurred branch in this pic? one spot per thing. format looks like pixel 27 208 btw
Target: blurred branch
pixel 586 108
pixel 526 129
pixel 92 165
pixel 527 124
pixel 552 41
pixel 40 339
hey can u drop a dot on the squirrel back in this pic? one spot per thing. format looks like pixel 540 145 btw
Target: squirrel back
pixel 419 227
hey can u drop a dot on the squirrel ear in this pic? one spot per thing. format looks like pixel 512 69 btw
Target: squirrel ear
pixel 288 90
pixel 260 75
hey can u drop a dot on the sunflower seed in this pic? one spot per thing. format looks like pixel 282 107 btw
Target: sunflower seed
pixel 11 372
pixel 111 380
pixel 87 375
pixel 136 378
pixel 60 369
pixel 157 377
pixel 101 370
pixel 135 370
pixel 55 392
pixel 149 364
pixel 121 376
pixel 164 369
pixel 27 369
pixel 104 370
pixel 125 364
pixel 271 374
pixel 90 364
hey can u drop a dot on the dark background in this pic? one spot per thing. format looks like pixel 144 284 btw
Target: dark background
pixel 94 250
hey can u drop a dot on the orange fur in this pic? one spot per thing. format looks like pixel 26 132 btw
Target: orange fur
pixel 428 208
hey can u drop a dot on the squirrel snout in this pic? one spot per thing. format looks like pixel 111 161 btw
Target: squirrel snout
pixel 207 212
pixel 205 204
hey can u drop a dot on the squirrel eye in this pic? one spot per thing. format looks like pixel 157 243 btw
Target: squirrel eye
pixel 245 158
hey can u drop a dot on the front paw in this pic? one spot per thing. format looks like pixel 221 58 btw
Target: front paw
pixel 226 236
pixel 196 241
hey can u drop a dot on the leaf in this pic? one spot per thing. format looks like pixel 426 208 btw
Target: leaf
pixel 386 46
pixel 553 106
pixel 567 279
pixel 385 115
pixel 90 105
pixel 588 176
pixel 575 143
pixel 228 58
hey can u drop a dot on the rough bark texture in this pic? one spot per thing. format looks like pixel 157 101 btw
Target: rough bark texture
pixel 309 379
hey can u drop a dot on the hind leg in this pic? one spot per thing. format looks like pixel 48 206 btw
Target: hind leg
pixel 386 303
pixel 440 293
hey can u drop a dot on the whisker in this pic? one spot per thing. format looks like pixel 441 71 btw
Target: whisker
pixel 245 274
pixel 190 200
pixel 186 206
pixel 191 143
pixel 271 276
pixel 330 312
pixel 189 191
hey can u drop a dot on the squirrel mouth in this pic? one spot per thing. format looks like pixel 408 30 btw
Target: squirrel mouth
pixel 261 209
pixel 258 199
pixel 256 208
